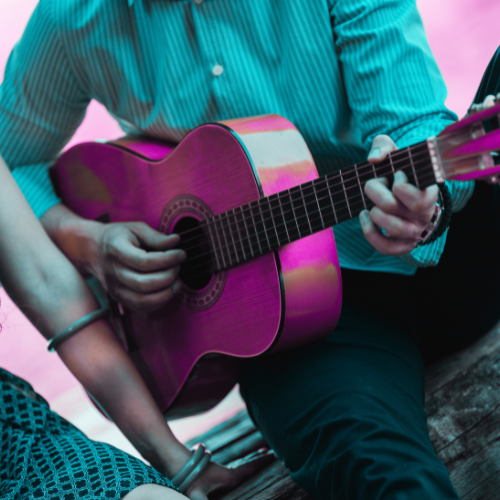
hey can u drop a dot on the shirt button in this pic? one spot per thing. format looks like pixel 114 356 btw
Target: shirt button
pixel 217 70
pixel 198 2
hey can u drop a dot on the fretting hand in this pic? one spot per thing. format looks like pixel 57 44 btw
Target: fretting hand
pixel 403 211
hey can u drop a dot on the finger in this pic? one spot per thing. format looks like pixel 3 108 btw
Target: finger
pixel 377 191
pixel 386 246
pixel 146 303
pixel 146 283
pixel 382 145
pixel 153 240
pixel 417 201
pixel 489 101
pixel 395 227
pixel 144 261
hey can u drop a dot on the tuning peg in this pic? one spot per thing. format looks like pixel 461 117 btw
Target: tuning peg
pixel 483 144
pixel 474 118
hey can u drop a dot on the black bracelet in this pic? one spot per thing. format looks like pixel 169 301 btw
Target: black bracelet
pixel 75 327
pixel 444 221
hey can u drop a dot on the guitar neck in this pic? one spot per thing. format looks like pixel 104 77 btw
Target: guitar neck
pixel 264 225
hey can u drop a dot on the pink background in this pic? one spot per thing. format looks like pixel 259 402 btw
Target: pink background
pixel 463 35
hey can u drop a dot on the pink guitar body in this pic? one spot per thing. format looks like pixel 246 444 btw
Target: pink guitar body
pixel 189 353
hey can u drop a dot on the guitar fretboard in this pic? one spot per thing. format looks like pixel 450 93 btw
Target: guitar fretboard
pixel 264 225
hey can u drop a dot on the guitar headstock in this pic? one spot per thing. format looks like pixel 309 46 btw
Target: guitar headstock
pixel 469 149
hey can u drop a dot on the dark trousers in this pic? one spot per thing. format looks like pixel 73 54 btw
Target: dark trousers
pixel 346 414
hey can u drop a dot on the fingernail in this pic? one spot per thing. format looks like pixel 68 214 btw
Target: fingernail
pixel 182 256
pixel 364 216
pixel 374 153
pixel 399 176
pixel 177 286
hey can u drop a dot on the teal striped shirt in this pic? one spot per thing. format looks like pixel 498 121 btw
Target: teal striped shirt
pixel 342 71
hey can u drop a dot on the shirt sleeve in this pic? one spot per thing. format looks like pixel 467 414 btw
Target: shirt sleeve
pixel 393 84
pixel 41 106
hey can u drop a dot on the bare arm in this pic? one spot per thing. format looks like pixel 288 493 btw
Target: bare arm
pixel 52 294
pixel 137 265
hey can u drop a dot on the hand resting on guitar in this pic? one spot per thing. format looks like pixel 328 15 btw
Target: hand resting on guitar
pixel 137 265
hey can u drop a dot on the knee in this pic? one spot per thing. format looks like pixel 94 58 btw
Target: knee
pixel 365 459
pixel 153 492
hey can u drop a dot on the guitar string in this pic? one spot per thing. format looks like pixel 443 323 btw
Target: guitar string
pixel 328 189
pixel 265 231
pixel 362 166
pixel 322 181
pixel 246 243
pixel 314 201
pixel 202 265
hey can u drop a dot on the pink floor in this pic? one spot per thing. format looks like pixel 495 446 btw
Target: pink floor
pixel 463 35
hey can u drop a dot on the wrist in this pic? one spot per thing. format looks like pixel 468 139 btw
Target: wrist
pixel 170 459
pixel 76 237
pixel 441 218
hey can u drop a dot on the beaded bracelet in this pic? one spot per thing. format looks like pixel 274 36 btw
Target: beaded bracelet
pixel 75 327
pixel 442 214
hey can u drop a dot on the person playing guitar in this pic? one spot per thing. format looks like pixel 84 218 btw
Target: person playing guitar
pixel 346 414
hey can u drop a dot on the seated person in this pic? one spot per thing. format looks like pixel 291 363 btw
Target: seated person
pixel 43 455
pixel 345 415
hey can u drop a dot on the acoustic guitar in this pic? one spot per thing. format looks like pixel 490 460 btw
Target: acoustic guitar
pixel 262 273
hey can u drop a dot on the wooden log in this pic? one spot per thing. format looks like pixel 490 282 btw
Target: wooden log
pixel 463 415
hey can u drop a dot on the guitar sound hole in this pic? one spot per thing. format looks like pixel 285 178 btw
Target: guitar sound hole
pixel 196 271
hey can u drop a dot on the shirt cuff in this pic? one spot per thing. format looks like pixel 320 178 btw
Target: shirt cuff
pixel 426 255
pixel 34 182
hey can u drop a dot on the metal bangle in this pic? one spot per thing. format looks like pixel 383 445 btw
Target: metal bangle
pixel 196 458
pixel 195 473
pixel 68 332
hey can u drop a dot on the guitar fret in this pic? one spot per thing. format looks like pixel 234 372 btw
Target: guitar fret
pixel 274 222
pixel 232 239
pixel 246 229
pixel 255 226
pixel 331 199
pixel 284 220
pixel 305 208
pixel 345 194
pixel 213 243
pixel 360 188
pixel 413 168
pixel 228 248
pixel 317 202
pixel 239 235
pixel 220 244
pixel 264 224
pixel 294 214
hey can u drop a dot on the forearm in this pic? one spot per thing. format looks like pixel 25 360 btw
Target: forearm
pixel 98 361
pixel 53 295
pixel 76 237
